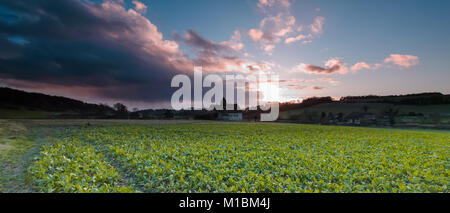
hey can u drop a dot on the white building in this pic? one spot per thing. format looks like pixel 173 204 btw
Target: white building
pixel 230 116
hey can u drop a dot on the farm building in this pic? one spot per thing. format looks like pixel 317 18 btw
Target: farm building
pixel 230 116
pixel 360 118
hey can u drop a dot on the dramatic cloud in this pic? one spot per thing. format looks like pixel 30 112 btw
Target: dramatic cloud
pixel 217 57
pixel 332 66
pixel 115 52
pixel 104 50
pixel 360 66
pixel 221 56
pixel 193 39
pixel 402 60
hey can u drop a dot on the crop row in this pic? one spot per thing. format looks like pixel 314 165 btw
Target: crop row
pixel 71 166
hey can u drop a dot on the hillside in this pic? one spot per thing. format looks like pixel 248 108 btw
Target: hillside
pixel 425 110
pixel 21 104
pixel 372 114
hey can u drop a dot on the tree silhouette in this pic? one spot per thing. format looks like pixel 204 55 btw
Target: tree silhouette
pixel 121 109
pixel 391 113
pixel 365 108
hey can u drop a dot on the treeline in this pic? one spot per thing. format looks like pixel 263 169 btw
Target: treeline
pixel 12 99
pixel 410 99
pixel 305 103
pixel 415 99
pixel 19 100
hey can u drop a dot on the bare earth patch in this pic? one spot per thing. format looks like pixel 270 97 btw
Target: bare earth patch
pixel 5 147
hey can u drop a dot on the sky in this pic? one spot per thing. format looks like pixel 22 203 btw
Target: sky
pixel 107 51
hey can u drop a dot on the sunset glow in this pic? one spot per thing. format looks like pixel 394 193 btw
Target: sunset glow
pixel 123 50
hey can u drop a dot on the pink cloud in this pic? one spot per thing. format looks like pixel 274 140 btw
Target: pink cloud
pixel 332 66
pixel 235 41
pixel 296 87
pixel 283 32
pixel 255 34
pixel 294 39
pixel 377 66
pixel 330 81
pixel 402 60
pixel 317 26
pixel 317 88
pixel 301 80
pixel 292 80
pixel 268 48
pixel 360 66
pixel 141 30
pixel 281 19
pixel 139 6
pixel 265 3
pixel 271 3
pixel 221 56
pixel 276 27
pixel 285 3
pixel 277 24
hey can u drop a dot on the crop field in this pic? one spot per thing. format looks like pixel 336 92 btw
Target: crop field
pixel 229 157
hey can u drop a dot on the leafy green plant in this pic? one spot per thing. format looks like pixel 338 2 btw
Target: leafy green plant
pixel 71 166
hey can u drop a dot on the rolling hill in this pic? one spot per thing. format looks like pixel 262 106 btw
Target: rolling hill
pixel 20 104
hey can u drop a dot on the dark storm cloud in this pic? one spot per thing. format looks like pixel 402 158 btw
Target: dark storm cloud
pixel 318 69
pixel 317 88
pixel 331 66
pixel 193 39
pixel 116 52
pixel 212 56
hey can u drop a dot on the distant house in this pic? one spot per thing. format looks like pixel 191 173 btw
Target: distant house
pixel 358 118
pixel 229 115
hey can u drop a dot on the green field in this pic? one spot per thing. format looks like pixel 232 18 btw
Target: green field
pixel 116 156
pixel 374 108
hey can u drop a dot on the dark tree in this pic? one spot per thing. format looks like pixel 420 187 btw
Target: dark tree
pixel 391 113
pixel 340 117
pixel 330 116
pixel 365 108
pixel 121 108
pixel 436 117
pixel 168 114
